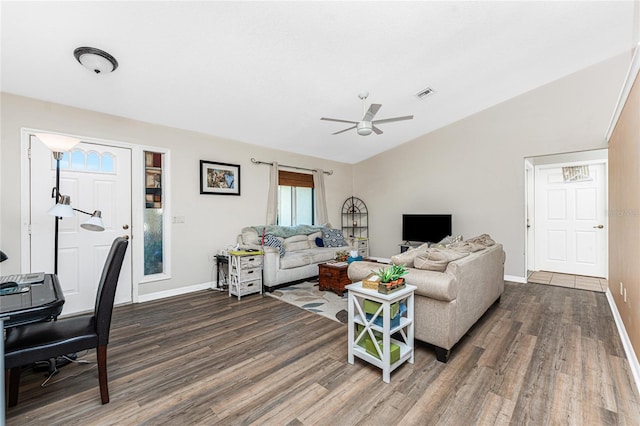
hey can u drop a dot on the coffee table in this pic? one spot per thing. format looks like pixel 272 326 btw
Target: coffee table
pixel 333 276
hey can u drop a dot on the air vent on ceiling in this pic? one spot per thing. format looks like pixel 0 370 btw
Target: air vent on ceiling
pixel 424 93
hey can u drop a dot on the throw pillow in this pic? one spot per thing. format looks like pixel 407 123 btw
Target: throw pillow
pixel 408 256
pixel 437 259
pixel 450 239
pixel 483 239
pixel 467 246
pixel 333 238
pixel 271 240
pixel 319 242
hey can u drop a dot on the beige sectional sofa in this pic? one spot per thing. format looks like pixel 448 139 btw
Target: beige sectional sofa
pixel 448 303
pixel 301 253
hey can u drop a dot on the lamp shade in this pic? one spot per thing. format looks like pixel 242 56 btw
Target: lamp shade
pixel 57 143
pixel 62 208
pixel 94 223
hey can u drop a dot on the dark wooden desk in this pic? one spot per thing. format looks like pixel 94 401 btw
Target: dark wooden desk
pixel 42 302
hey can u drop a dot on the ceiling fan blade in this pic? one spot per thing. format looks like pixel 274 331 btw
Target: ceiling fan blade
pixel 345 130
pixel 376 130
pixel 339 121
pixel 389 120
pixel 373 109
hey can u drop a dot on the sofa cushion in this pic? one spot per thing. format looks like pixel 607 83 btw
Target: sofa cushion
pixel 296 238
pixel 250 236
pixel 408 256
pixel 313 237
pixel 333 238
pixel 483 239
pixel 435 259
pixel 273 241
pixel 466 246
pixel 295 259
pixel 320 255
pixel 297 245
pixel 447 241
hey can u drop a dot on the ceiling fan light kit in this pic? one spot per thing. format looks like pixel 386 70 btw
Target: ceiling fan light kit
pixel 364 128
pixel 367 125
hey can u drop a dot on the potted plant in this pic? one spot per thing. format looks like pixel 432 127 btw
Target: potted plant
pixel 392 275
pixel 341 255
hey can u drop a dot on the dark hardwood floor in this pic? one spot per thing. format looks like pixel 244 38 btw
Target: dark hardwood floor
pixel 544 355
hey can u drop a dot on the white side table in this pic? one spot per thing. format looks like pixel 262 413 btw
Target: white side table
pixel 245 273
pixel 357 296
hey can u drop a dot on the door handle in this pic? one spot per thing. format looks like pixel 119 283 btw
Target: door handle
pixel 599 226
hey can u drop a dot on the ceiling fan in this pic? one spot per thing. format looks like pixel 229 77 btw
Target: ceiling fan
pixel 367 124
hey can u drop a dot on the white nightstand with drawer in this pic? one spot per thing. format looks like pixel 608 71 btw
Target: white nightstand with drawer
pixel 362 245
pixel 245 273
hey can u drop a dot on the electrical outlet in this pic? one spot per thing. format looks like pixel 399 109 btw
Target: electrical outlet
pixel 178 219
pixel 621 288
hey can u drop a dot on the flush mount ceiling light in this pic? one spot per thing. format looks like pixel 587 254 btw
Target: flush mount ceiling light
pixel 96 60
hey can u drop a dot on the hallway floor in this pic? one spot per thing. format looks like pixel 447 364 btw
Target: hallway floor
pixel 566 280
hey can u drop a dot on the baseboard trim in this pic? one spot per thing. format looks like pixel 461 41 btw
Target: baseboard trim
pixel 626 342
pixel 515 279
pixel 174 292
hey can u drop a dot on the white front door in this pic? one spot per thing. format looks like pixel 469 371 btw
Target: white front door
pixel 97 177
pixel 571 223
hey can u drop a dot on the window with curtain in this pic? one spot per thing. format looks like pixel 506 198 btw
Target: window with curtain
pixel 295 198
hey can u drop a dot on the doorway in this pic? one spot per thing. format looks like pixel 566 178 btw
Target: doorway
pixel 566 223
pixel 97 177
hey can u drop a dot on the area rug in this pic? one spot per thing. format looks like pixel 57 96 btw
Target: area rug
pixel 307 296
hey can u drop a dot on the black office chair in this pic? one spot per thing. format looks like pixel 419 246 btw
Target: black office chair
pixel 45 340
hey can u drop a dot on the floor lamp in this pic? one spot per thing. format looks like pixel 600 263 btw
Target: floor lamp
pixel 59 144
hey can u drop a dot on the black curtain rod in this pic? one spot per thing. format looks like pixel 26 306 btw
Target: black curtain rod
pixel 254 161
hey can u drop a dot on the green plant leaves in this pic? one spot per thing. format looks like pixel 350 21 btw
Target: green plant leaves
pixel 391 273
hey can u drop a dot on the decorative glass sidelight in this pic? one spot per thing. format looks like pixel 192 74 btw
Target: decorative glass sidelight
pixel 153 216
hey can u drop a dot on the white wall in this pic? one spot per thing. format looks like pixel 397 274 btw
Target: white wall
pixel 211 221
pixel 474 168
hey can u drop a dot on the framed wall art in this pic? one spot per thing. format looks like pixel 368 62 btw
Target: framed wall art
pixel 219 178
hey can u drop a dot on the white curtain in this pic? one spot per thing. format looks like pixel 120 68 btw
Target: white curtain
pixel 272 198
pixel 321 216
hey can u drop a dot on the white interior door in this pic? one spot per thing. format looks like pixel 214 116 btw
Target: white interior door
pixel 571 223
pixel 97 177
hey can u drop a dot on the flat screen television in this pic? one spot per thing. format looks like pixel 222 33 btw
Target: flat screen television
pixel 425 227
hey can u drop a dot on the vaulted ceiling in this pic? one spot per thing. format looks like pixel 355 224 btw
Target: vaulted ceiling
pixel 265 72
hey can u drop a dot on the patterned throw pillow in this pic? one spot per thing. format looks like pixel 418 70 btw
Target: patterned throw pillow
pixel 271 240
pixel 333 238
